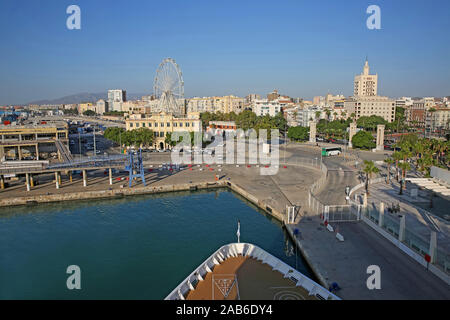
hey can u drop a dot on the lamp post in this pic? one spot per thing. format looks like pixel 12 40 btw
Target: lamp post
pixel 79 143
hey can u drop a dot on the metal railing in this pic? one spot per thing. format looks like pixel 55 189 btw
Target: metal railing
pixel 412 240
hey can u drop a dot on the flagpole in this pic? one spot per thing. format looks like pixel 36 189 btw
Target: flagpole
pixel 238 233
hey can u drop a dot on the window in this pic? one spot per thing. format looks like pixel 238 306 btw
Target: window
pixel 149 124
pixel 131 124
pixel 162 124
pixel 181 124
pixel 175 124
pixel 168 124
pixel 156 124
pixel 187 124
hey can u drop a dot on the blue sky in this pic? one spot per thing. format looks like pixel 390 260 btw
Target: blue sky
pixel 301 48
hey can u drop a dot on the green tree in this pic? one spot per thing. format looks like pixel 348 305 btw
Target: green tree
pixel 298 133
pixel 363 140
pixel 405 167
pixel 369 169
pixel 370 123
pixel 89 113
pixel 397 156
pixel 73 111
pixel 389 162
pixel 114 134
pixel 246 120
pixel 318 113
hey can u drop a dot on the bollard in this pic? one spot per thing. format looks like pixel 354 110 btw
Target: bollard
pixel 56 180
pixel 27 178
pixel 381 217
pixel 401 232
pixel 84 178
pixel 433 247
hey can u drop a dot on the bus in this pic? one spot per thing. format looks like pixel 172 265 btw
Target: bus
pixel 326 152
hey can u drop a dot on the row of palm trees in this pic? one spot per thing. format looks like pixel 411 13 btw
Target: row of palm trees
pixel 423 153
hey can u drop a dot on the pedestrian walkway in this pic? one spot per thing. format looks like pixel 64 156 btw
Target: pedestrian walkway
pixel 419 222
pixel 346 263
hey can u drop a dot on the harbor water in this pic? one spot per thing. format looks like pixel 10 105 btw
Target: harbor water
pixel 131 248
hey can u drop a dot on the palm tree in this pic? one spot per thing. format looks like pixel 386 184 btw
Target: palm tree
pixel 318 113
pixel 369 169
pixel 405 166
pixel 397 156
pixel 328 113
pixel 389 162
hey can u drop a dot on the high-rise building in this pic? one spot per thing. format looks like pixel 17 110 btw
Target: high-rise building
pixel 366 84
pixel 116 98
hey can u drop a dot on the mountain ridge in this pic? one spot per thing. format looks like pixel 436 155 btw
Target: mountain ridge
pixel 82 97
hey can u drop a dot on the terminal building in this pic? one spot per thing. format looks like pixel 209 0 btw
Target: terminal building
pixel 34 141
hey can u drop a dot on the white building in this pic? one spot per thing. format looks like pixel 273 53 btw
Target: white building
pixel 437 118
pixel 101 107
pixel 307 114
pixel 366 84
pixel 404 102
pixel 116 98
pixel 264 107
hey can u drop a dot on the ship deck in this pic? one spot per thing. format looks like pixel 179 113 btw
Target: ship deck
pixel 245 278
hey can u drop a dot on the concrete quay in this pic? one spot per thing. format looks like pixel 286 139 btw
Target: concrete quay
pixel 332 261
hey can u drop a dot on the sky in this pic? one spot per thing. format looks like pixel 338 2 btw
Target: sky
pixel 302 48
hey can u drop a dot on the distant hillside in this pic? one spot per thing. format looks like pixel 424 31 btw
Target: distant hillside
pixel 83 97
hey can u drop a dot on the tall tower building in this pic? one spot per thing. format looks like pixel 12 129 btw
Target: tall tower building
pixel 366 84
pixel 116 98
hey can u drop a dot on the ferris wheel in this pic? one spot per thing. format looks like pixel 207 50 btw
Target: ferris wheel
pixel 169 86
